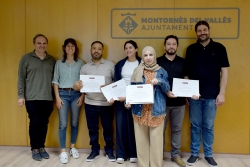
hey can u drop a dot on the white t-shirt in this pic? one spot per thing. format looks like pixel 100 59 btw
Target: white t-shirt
pixel 128 69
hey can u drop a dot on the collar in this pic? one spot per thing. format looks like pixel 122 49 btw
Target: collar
pixel 34 55
pixel 210 43
pixel 102 61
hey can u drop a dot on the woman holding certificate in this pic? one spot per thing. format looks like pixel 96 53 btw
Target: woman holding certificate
pixel 125 138
pixel 66 73
pixel 149 118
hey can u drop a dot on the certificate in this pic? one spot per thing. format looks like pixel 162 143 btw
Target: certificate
pixel 140 94
pixel 115 90
pixel 185 87
pixel 92 83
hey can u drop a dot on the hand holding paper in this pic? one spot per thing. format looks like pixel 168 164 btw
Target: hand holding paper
pixel 185 87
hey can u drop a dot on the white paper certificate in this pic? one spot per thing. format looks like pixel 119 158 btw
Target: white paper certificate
pixel 92 83
pixel 185 87
pixel 140 94
pixel 115 90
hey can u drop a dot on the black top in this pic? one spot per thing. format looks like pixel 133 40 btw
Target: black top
pixel 175 69
pixel 204 64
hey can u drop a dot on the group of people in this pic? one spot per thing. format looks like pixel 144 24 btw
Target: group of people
pixel 140 128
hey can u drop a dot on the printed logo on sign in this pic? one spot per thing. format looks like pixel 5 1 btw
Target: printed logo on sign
pixel 155 23
pixel 128 24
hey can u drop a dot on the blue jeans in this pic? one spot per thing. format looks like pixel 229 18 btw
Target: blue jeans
pixel 202 114
pixel 39 112
pixel 106 114
pixel 69 99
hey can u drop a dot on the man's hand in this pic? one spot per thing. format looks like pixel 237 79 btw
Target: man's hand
pixel 170 94
pixel 78 85
pixel 111 101
pixel 21 102
pixel 194 97
pixel 80 100
pixel 220 100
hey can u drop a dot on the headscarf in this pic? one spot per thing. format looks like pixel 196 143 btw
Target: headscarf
pixel 138 72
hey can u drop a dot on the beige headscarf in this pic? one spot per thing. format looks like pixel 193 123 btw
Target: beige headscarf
pixel 138 72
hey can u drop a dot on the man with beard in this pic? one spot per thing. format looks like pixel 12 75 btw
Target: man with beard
pixel 207 62
pixel 174 65
pixel 35 74
pixel 96 104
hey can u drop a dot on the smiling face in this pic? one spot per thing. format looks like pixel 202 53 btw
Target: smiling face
pixel 203 33
pixel 130 50
pixel 70 49
pixel 96 51
pixel 148 57
pixel 40 44
pixel 171 46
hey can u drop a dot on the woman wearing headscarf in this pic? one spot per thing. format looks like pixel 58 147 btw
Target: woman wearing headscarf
pixel 149 118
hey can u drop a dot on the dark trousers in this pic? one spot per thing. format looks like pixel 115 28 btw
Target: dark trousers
pixel 106 114
pixel 125 136
pixel 38 112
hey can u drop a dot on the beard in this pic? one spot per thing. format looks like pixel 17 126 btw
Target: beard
pixel 96 56
pixel 170 53
pixel 203 40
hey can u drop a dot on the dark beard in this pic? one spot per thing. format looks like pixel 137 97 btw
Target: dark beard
pixel 96 57
pixel 171 53
pixel 203 40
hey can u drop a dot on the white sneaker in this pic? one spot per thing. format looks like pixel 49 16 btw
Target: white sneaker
pixel 64 157
pixel 133 160
pixel 120 160
pixel 74 153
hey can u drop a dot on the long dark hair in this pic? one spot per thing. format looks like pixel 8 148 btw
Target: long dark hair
pixel 73 42
pixel 132 43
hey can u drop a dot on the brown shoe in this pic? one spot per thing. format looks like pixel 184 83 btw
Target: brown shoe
pixel 178 161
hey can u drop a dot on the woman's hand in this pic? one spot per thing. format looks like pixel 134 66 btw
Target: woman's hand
pixel 128 105
pixel 121 99
pixel 154 81
pixel 59 103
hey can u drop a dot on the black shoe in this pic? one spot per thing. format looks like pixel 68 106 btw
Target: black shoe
pixel 192 160
pixel 111 157
pixel 92 156
pixel 211 162
pixel 36 155
pixel 43 153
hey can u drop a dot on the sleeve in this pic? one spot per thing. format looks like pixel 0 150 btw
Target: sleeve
pixel 224 58
pixel 163 81
pixel 83 70
pixel 186 63
pixel 56 76
pixel 116 72
pixel 22 74
pixel 112 71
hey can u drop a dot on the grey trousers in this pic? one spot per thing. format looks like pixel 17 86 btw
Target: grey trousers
pixel 176 114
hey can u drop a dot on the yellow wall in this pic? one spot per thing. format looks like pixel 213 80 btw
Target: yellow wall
pixel 87 21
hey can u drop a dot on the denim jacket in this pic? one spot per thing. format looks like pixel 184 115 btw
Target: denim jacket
pixel 160 91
